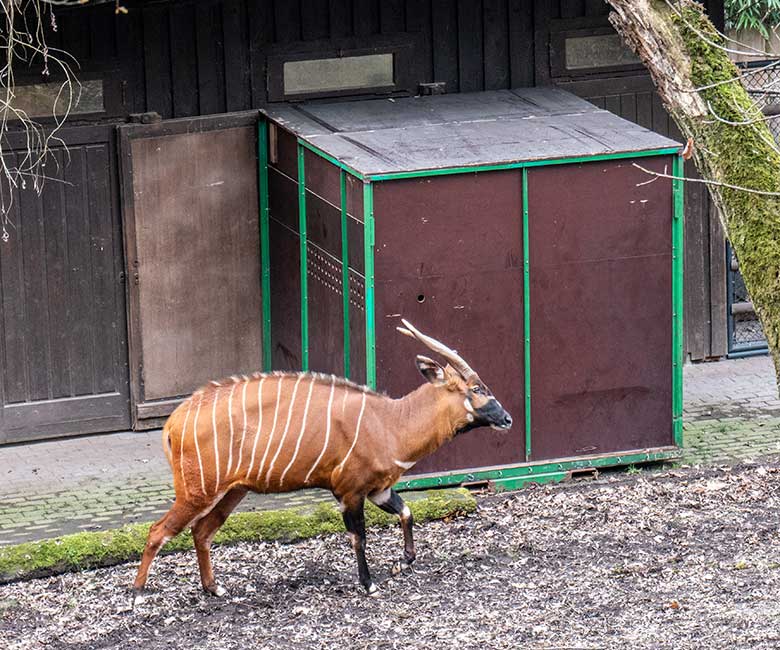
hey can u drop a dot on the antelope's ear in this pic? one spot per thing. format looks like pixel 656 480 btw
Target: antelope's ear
pixel 431 370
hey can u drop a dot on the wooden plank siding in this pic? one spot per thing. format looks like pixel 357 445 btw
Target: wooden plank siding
pixel 62 307
pixel 199 57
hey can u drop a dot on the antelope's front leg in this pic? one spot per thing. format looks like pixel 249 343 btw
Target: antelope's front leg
pixel 390 501
pixel 355 522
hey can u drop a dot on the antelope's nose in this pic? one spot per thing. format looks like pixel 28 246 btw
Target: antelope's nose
pixel 507 421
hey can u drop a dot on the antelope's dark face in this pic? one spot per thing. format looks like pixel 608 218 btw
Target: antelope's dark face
pixel 471 400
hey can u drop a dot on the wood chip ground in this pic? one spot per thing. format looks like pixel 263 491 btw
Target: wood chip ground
pixel 682 559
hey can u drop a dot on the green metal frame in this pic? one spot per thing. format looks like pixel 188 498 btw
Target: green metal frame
pixel 345 270
pixel 389 176
pixel 678 254
pixel 369 236
pixel 522 165
pixel 511 476
pixel 265 253
pixel 527 471
pixel 304 259
pixel 526 318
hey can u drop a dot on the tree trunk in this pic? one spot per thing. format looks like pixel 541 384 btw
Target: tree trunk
pixel 672 41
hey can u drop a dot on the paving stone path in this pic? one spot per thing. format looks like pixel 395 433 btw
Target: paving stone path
pixel 732 410
pixel 57 487
pixel 93 482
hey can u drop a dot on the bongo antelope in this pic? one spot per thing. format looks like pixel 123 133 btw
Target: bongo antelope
pixel 279 432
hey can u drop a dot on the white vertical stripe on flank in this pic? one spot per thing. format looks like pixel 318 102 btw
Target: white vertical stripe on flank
pixel 344 401
pixel 216 442
pixel 259 424
pixel 284 433
pixel 327 427
pixel 181 446
pixel 300 435
pixel 197 446
pixel 357 431
pixel 243 431
pixel 270 434
pixel 230 418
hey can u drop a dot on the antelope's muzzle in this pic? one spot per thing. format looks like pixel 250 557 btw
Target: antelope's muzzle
pixel 494 415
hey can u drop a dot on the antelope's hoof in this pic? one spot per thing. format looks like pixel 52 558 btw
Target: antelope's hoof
pixel 215 590
pixel 400 567
pixel 372 591
pixel 138 598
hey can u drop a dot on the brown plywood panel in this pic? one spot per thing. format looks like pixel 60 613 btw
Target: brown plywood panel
pixel 283 151
pixel 355 197
pixel 448 225
pixel 601 317
pixel 283 199
pixel 448 258
pixel 322 178
pixel 355 245
pixel 323 224
pixel 357 327
pixel 326 312
pixel 196 228
pixel 285 297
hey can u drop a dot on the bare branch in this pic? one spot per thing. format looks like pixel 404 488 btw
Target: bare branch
pixel 701 180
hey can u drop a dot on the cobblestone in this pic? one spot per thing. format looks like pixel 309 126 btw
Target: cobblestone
pixel 732 413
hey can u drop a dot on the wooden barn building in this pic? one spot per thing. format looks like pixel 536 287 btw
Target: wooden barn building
pixel 143 275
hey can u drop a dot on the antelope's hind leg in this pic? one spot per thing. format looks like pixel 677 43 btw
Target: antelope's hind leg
pixel 203 533
pixel 171 524
pixel 390 501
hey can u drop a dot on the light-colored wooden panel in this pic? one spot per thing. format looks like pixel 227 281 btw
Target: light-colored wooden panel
pixel 197 237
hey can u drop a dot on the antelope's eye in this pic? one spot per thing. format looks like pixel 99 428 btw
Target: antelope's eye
pixel 476 390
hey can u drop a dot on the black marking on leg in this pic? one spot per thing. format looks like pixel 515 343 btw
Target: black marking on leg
pixel 355 523
pixel 395 506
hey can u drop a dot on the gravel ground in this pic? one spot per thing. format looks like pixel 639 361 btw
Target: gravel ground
pixel 681 559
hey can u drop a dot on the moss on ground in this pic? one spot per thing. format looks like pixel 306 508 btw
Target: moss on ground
pixel 95 549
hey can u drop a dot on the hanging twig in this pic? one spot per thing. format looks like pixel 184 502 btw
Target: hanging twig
pixel 702 180
pixel 23 39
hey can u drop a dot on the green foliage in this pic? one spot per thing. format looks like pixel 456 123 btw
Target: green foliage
pixel 759 15
pixel 89 550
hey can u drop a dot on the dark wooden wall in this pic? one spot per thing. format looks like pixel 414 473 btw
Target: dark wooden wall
pixel 209 56
pixel 190 58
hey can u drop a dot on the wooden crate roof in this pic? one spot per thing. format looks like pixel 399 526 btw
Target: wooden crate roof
pixel 381 136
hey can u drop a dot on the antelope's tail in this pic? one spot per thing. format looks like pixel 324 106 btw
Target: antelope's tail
pixel 166 443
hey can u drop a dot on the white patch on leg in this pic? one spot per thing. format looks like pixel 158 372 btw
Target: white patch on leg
pixel 372 590
pixel 380 498
pixel 342 507
pixel 138 599
pixel 219 591
pixel 406 513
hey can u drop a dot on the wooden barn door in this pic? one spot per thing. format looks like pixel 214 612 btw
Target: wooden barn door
pixel 193 256
pixel 62 298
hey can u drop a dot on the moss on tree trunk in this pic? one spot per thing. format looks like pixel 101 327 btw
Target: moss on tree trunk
pixel 672 41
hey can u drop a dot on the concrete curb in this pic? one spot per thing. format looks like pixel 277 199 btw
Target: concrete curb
pixel 97 549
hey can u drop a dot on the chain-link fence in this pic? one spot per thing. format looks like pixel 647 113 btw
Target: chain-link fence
pixel 762 81
pixel 763 85
pixel 745 332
